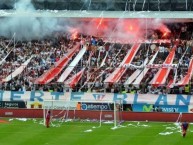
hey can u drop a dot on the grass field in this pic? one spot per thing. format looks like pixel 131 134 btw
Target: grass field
pixel 32 132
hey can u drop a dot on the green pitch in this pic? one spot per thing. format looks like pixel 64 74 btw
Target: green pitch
pixel 32 132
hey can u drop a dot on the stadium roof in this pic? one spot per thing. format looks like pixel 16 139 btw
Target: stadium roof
pixel 97 14
pixel 98 8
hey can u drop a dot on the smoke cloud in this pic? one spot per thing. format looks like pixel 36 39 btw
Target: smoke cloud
pixel 126 30
pixel 27 28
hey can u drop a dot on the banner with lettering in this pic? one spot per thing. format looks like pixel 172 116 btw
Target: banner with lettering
pixel 161 108
pixel 40 96
pixel 13 104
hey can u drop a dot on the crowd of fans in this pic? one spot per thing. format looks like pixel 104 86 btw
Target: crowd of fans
pixel 100 60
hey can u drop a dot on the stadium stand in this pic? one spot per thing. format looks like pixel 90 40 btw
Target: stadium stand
pixel 100 59
pixel 79 61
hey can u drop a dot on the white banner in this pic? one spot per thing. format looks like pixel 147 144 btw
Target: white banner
pixel 190 109
pixel 40 96
pixel 61 105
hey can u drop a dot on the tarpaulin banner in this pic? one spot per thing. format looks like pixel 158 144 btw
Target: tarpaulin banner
pixel 125 98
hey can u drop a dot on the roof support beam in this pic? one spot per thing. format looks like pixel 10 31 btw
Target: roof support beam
pixel 97 14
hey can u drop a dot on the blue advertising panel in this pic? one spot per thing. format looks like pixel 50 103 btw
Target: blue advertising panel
pixel 160 108
pixel 96 106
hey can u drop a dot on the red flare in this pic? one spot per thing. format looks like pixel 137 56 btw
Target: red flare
pixel 75 35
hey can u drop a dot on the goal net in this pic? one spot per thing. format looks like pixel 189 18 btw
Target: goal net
pixel 174 127
pixel 84 111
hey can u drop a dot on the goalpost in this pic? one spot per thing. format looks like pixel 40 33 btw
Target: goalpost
pixel 178 122
pixel 84 111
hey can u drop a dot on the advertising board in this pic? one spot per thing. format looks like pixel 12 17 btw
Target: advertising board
pixel 160 108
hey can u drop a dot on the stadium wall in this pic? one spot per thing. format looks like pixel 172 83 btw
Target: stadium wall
pixel 125 115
